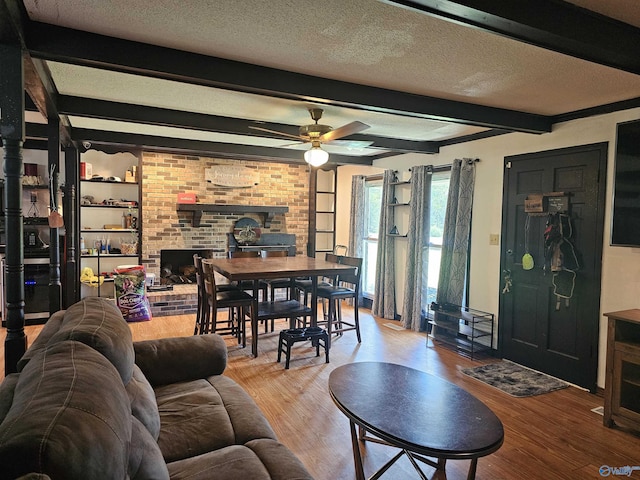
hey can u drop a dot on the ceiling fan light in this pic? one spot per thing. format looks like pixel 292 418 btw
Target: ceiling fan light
pixel 315 156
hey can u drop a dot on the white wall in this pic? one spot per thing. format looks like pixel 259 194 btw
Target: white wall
pixel 343 197
pixel 620 265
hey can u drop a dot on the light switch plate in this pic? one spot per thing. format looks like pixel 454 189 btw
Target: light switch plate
pixel 494 239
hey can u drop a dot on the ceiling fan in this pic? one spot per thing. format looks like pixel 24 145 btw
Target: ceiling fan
pixel 317 134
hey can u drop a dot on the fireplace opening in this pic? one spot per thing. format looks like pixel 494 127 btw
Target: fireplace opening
pixel 176 265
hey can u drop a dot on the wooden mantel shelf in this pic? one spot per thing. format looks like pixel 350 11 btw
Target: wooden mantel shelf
pixel 197 208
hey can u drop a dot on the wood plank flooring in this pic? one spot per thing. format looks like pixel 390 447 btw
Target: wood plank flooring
pixel 552 436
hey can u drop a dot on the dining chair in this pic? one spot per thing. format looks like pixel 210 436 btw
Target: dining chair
pixel 304 287
pixel 241 306
pixel 276 283
pixel 346 286
pixel 202 294
pixel 247 285
pixel 341 250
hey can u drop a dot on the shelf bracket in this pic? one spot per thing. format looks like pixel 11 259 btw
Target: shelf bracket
pixel 197 217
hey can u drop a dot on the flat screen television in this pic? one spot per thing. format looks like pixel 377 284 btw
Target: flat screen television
pixel 625 221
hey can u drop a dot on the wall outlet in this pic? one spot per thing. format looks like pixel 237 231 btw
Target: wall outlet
pixel 494 239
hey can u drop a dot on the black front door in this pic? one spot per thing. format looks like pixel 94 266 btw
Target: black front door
pixel 538 328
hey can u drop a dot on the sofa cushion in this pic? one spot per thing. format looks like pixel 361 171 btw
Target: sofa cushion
pixel 278 460
pixel 7 388
pixel 50 329
pixel 205 415
pixel 145 458
pixel 233 462
pixel 240 462
pixel 171 360
pixel 98 323
pixel 143 402
pixel 60 423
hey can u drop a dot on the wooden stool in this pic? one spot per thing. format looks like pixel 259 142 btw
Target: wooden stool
pixel 317 335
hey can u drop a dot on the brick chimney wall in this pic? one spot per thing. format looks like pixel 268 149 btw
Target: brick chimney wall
pixel 166 175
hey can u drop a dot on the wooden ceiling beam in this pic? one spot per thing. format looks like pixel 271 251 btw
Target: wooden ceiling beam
pixel 554 25
pixel 130 141
pixel 125 112
pixel 88 49
pixel 37 80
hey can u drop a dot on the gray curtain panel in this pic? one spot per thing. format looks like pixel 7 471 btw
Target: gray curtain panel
pixel 457 229
pixel 356 229
pixel 417 248
pixel 384 303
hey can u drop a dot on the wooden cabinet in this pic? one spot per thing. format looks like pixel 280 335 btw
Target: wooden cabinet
pixel 622 376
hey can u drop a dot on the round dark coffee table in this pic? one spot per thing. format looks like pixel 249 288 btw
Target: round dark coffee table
pixel 419 413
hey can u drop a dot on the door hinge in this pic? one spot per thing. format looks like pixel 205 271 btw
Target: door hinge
pixel 507 165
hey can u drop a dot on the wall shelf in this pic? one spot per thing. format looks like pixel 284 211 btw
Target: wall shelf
pixel 198 208
pixel 108 230
pixel 99 205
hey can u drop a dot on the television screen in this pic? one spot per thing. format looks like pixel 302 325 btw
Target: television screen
pixel 625 224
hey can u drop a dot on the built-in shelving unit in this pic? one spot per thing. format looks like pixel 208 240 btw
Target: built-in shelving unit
pixel 324 213
pixel 109 221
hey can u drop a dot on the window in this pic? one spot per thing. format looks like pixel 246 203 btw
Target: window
pixel 439 195
pixel 372 205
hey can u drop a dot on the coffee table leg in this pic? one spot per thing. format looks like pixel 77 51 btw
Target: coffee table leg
pixel 472 469
pixel 357 459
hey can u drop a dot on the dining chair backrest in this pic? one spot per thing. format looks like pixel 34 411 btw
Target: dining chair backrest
pixel 244 254
pixel 209 281
pixel 197 263
pixel 275 253
pixel 351 278
pixel 332 257
pixel 341 250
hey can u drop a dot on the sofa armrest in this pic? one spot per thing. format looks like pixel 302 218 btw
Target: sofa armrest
pixel 178 359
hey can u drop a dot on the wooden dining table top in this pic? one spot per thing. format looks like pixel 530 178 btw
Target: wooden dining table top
pixel 259 268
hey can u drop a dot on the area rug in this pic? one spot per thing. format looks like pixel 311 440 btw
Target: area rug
pixel 514 379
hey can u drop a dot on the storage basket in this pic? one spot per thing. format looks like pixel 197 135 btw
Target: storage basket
pixel 129 248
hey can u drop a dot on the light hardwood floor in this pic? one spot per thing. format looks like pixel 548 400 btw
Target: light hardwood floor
pixel 552 436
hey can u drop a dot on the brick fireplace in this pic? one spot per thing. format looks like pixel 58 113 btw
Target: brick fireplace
pixel 164 228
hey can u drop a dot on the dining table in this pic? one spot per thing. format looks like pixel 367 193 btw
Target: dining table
pixel 259 268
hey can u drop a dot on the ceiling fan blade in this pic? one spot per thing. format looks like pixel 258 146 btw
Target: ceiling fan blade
pixel 302 141
pixel 352 144
pixel 343 131
pixel 275 132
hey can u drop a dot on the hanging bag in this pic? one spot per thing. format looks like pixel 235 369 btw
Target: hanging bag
pixel 527 258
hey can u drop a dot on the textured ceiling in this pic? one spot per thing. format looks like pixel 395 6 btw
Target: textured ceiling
pixel 365 42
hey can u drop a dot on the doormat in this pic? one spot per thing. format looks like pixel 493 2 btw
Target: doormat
pixel 515 379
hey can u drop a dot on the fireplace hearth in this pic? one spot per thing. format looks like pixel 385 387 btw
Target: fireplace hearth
pixel 176 265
